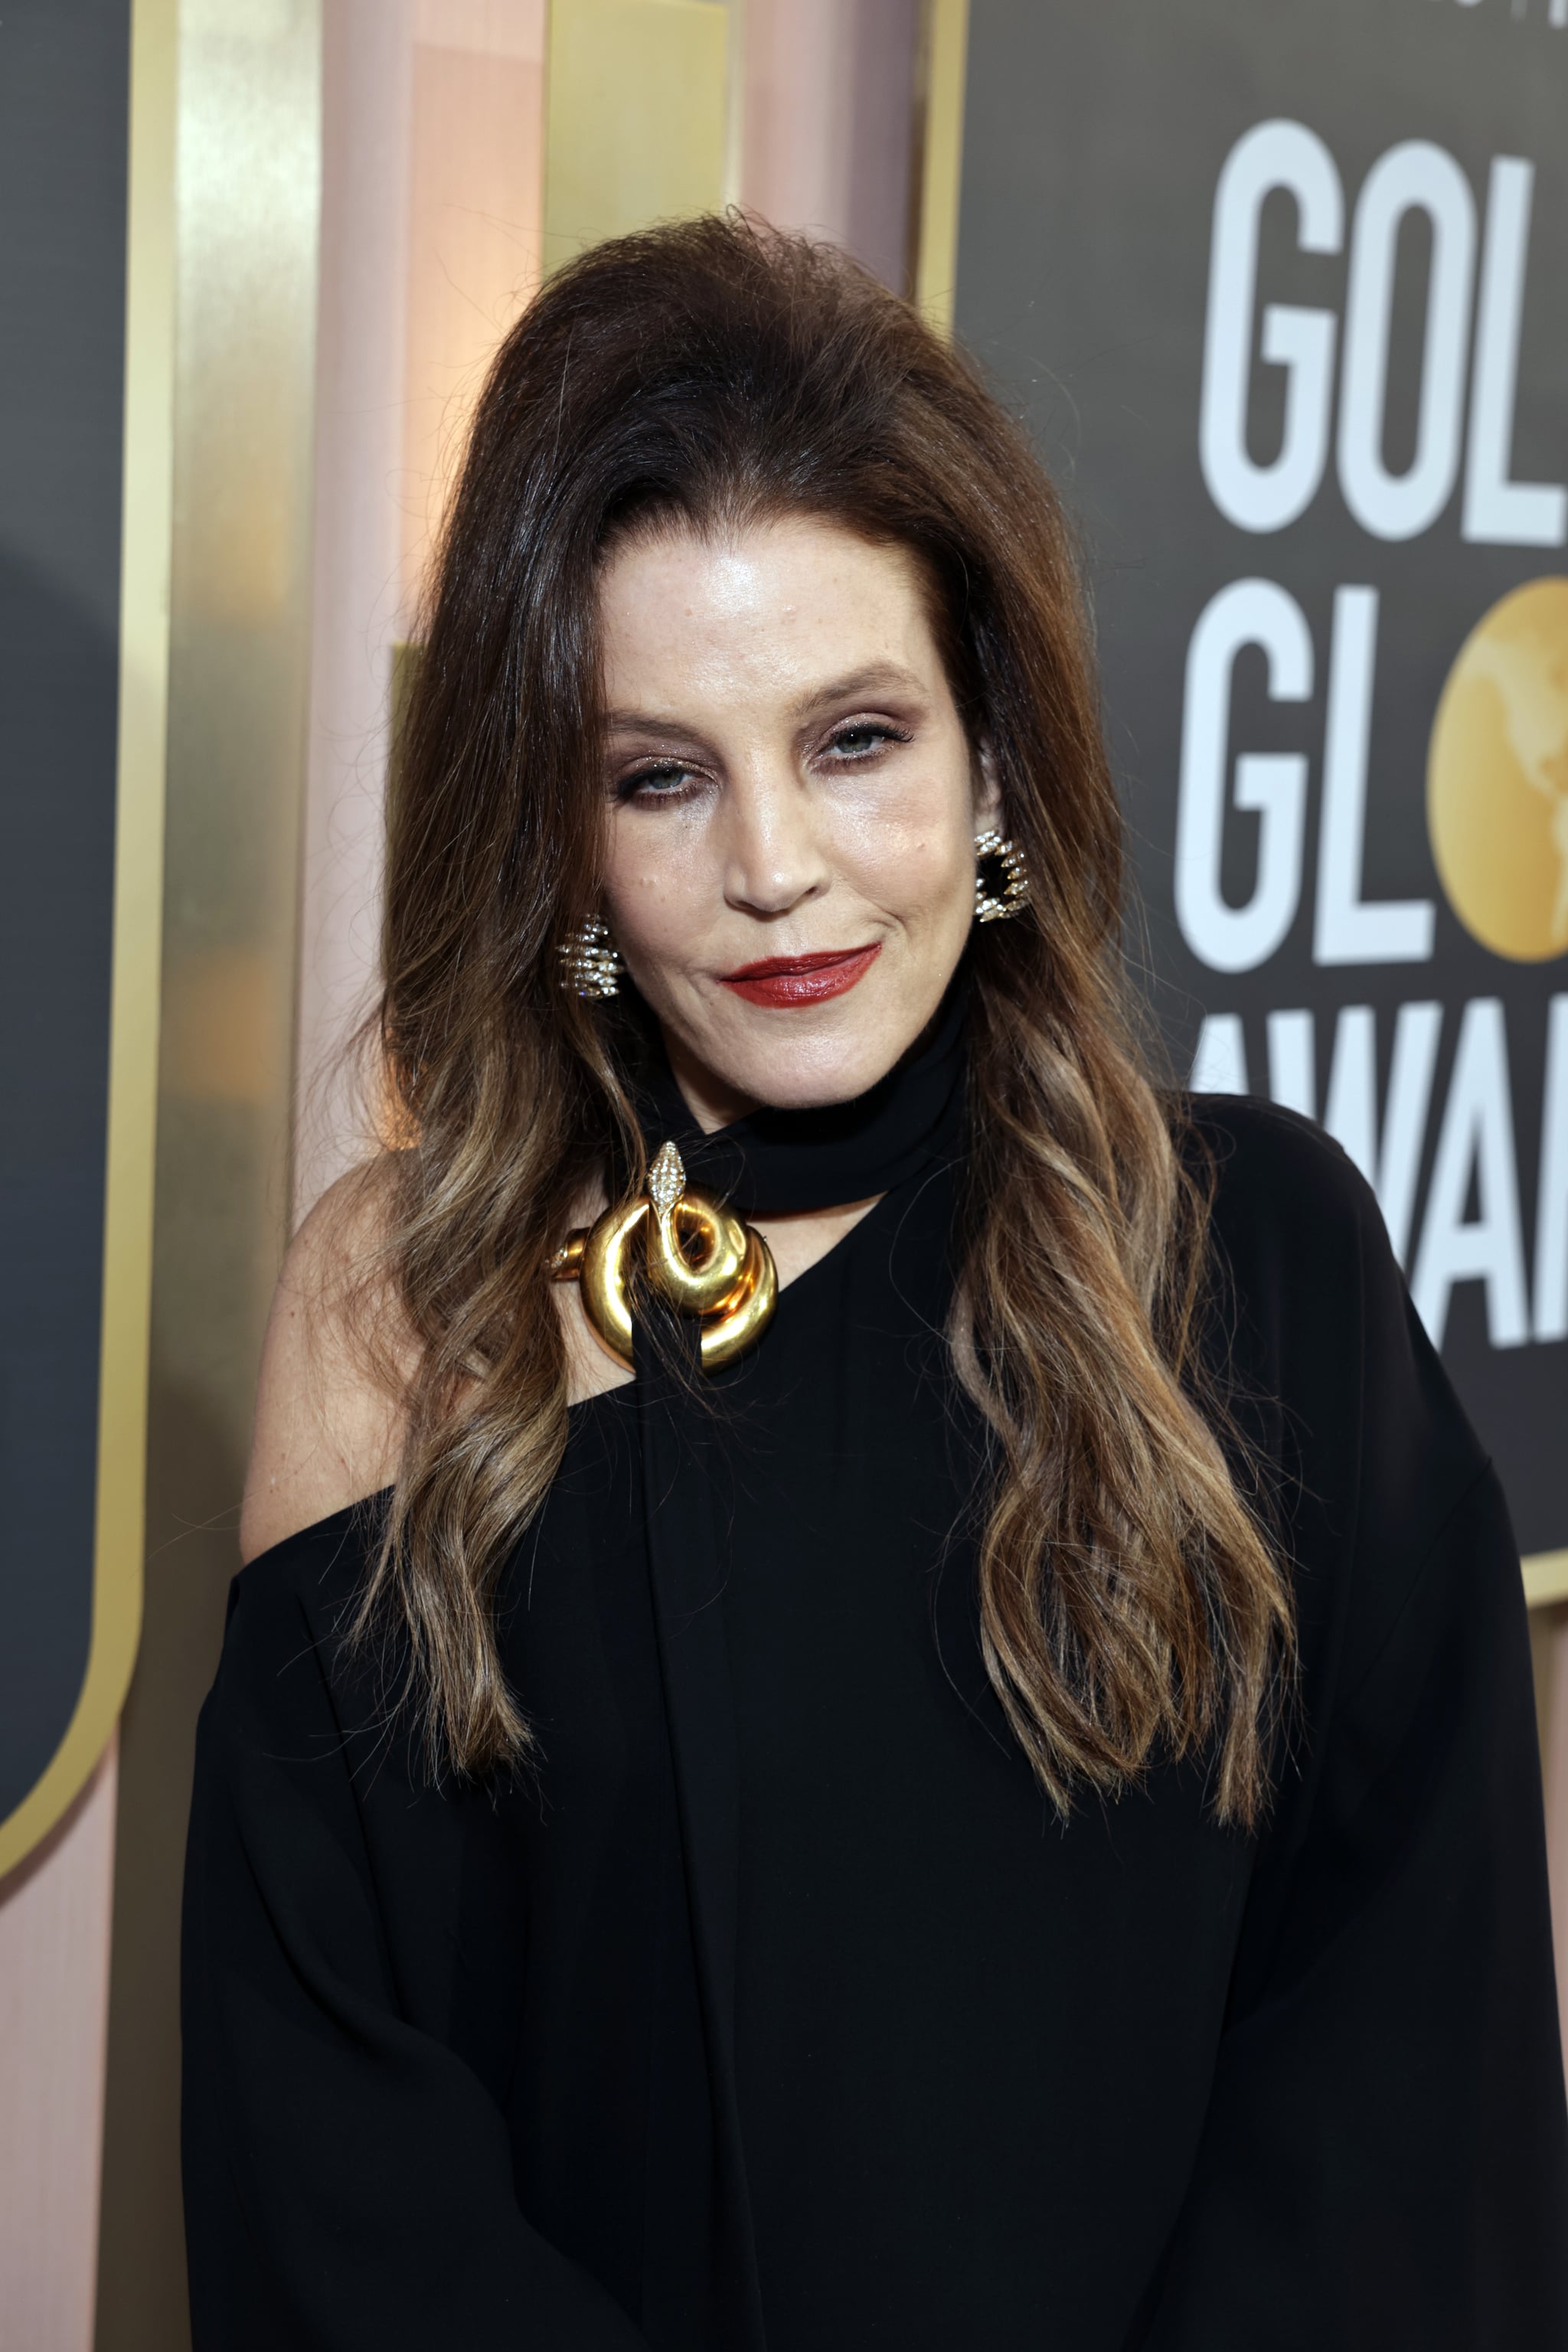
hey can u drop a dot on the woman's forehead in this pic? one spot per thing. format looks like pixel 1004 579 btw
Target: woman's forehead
pixel 783 606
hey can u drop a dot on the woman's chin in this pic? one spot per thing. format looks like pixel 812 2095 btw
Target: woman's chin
pixel 737 1057
pixel 781 1074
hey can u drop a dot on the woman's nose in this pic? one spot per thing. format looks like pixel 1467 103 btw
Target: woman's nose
pixel 773 855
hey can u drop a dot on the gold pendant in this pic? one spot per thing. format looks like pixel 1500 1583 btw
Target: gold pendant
pixel 702 1257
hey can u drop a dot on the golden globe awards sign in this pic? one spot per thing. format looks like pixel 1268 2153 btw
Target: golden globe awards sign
pixel 1282 286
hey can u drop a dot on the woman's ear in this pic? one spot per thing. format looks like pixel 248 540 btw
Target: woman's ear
pixel 987 792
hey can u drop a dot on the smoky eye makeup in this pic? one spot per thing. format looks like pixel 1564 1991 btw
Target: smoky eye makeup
pixel 655 778
pixel 857 740
pixel 852 741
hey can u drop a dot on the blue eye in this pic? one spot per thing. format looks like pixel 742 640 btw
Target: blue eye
pixel 866 738
pixel 659 783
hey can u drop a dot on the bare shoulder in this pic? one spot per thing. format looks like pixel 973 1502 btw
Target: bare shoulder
pixel 334 1366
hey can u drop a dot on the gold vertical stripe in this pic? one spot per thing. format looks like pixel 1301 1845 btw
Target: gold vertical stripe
pixel 941 158
pixel 1546 1578
pixel 637 107
pixel 734 104
pixel 146 516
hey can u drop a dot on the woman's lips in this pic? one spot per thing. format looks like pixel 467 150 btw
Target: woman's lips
pixel 801 980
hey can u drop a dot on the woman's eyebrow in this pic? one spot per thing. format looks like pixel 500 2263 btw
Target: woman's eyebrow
pixel 650 722
pixel 872 679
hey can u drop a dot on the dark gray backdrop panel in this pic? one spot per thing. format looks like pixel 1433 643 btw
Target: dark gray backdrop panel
pixel 64 95
pixel 1095 134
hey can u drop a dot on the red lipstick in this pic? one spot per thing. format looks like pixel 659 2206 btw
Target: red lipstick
pixel 803 979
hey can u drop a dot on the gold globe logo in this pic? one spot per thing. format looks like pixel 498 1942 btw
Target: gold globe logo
pixel 1497 777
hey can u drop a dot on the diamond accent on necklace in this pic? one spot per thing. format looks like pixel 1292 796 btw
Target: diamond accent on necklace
pixel 667 1180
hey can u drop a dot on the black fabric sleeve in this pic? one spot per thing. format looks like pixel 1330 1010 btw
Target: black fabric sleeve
pixel 348 2177
pixel 1385 2156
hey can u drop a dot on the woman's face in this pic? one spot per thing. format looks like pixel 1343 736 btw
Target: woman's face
pixel 793 808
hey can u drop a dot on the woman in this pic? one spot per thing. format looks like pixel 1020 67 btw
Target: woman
pixel 928 1742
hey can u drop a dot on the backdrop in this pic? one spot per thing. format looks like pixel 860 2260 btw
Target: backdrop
pixel 1280 286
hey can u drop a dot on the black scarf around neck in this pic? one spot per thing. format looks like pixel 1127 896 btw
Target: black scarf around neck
pixel 781 1162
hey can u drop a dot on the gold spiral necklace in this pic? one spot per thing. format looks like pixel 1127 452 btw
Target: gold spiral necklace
pixel 702 1259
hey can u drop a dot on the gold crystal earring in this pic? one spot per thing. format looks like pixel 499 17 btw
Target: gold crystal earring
pixel 1015 889
pixel 592 966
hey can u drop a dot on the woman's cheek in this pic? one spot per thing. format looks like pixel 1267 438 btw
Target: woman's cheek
pixel 913 876
pixel 910 854
pixel 650 900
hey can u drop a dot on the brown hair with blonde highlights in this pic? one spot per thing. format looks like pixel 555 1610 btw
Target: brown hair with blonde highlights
pixel 717 372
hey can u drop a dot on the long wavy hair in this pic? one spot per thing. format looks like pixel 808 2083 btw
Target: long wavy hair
pixel 710 374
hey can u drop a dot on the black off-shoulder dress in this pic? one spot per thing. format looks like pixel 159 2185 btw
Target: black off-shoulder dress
pixel 775 2009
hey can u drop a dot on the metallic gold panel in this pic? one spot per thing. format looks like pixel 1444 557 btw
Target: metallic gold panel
pixel 636 117
pixel 1546 1578
pixel 946 49
pixel 246 213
